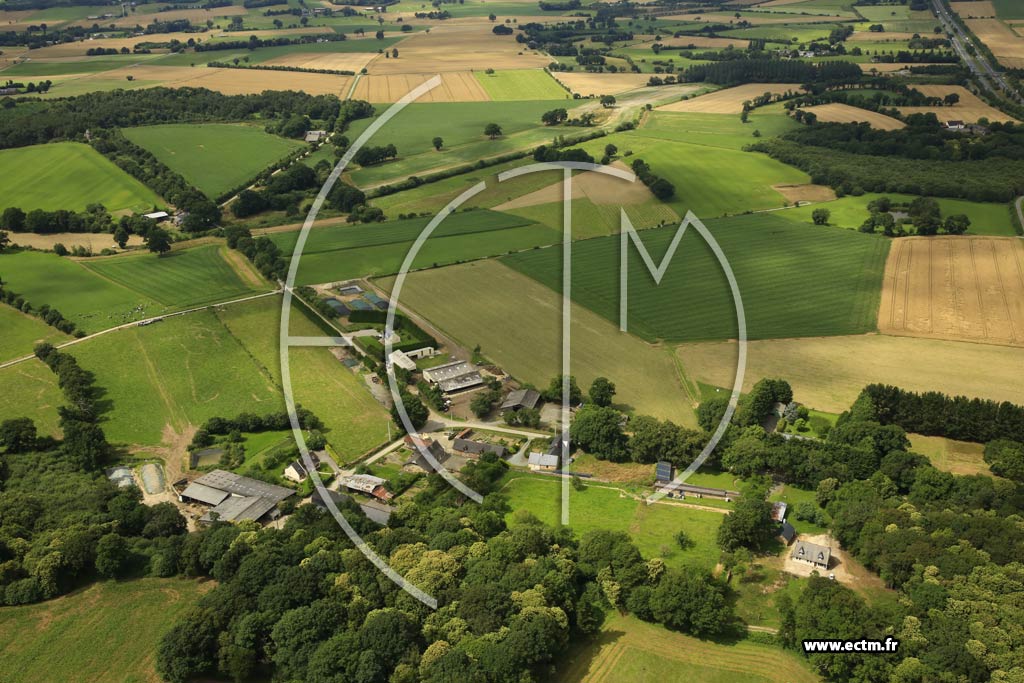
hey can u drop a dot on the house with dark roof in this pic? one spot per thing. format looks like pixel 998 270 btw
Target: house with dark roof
pixel 787 533
pixel 812 553
pixel 519 399
pixel 478 448
pixel 419 463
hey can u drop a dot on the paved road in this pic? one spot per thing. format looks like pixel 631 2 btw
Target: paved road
pixel 978 64
pixel 137 323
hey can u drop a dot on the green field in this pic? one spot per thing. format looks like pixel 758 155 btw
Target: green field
pixel 524 84
pixel 336 253
pixel 850 212
pixel 1008 9
pixel 91 301
pixel 30 390
pixel 215 157
pixel 714 130
pixel 652 527
pixel 179 279
pixel 794 282
pixel 518 326
pixel 707 179
pixel 461 126
pixel 21 332
pixel 106 633
pixel 69 175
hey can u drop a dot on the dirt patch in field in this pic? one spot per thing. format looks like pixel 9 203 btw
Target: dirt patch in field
pixel 980 9
pixel 960 288
pixel 970 108
pixel 730 100
pixel 457 86
pixel 95 241
pixel 885 68
pixel 458 47
pixel 844 113
pixel 1006 45
pixel 340 61
pixel 827 373
pixel 594 85
pixel 599 188
pixel 806 193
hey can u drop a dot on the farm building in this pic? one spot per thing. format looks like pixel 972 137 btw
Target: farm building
pixel 812 553
pixel 454 376
pixel 546 462
pixel 347 290
pixel 374 510
pixel 339 308
pixel 315 135
pixel 158 216
pixel 664 471
pixel 519 399
pixel 401 360
pixel 234 498
pixel 680 490
pixel 368 484
pixel 476 448
pixel 419 463
pixel 787 533
pixel 779 511
pixel 955 125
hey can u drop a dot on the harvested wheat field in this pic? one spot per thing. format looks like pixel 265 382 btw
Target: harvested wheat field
pixel 338 61
pixel 980 9
pixel 95 241
pixel 844 113
pixel 1006 45
pixel 700 41
pixel 599 188
pixel 827 373
pixel 886 37
pixel 465 47
pixel 806 193
pixel 730 100
pixel 969 109
pixel 455 87
pixel 961 288
pixel 590 84
pixel 227 81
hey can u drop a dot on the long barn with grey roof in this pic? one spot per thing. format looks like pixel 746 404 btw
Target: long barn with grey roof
pixel 234 498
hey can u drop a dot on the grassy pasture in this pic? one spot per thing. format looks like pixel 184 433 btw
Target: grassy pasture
pixel 264 54
pixel 628 649
pixel 81 295
pixel 1008 9
pixel 958 457
pixel 106 633
pixel 714 130
pixel 215 157
pixel 705 177
pixel 518 326
pixel 652 527
pixel 30 390
pixel 68 175
pixel 335 253
pixel 461 126
pixel 521 84
pixel 179 279
pixel 21 332
pixel 836 273
pixel 850 212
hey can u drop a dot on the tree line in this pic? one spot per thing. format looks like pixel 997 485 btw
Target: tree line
pixel 739 71
pixel 50 316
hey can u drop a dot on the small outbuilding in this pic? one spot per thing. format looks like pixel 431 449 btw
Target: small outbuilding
pixel 519 399
pixel 543 462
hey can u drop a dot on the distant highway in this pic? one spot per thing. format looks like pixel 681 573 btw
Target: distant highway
pixel 978 63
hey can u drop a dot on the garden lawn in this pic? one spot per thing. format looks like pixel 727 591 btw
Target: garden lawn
pixel 794 280
pixel 521 84
pixel 106 633
pixel 652 527
pixel 178 279
pixel 215 157
pixel 69 175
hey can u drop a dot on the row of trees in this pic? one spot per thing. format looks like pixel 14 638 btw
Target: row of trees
pixel 50 316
